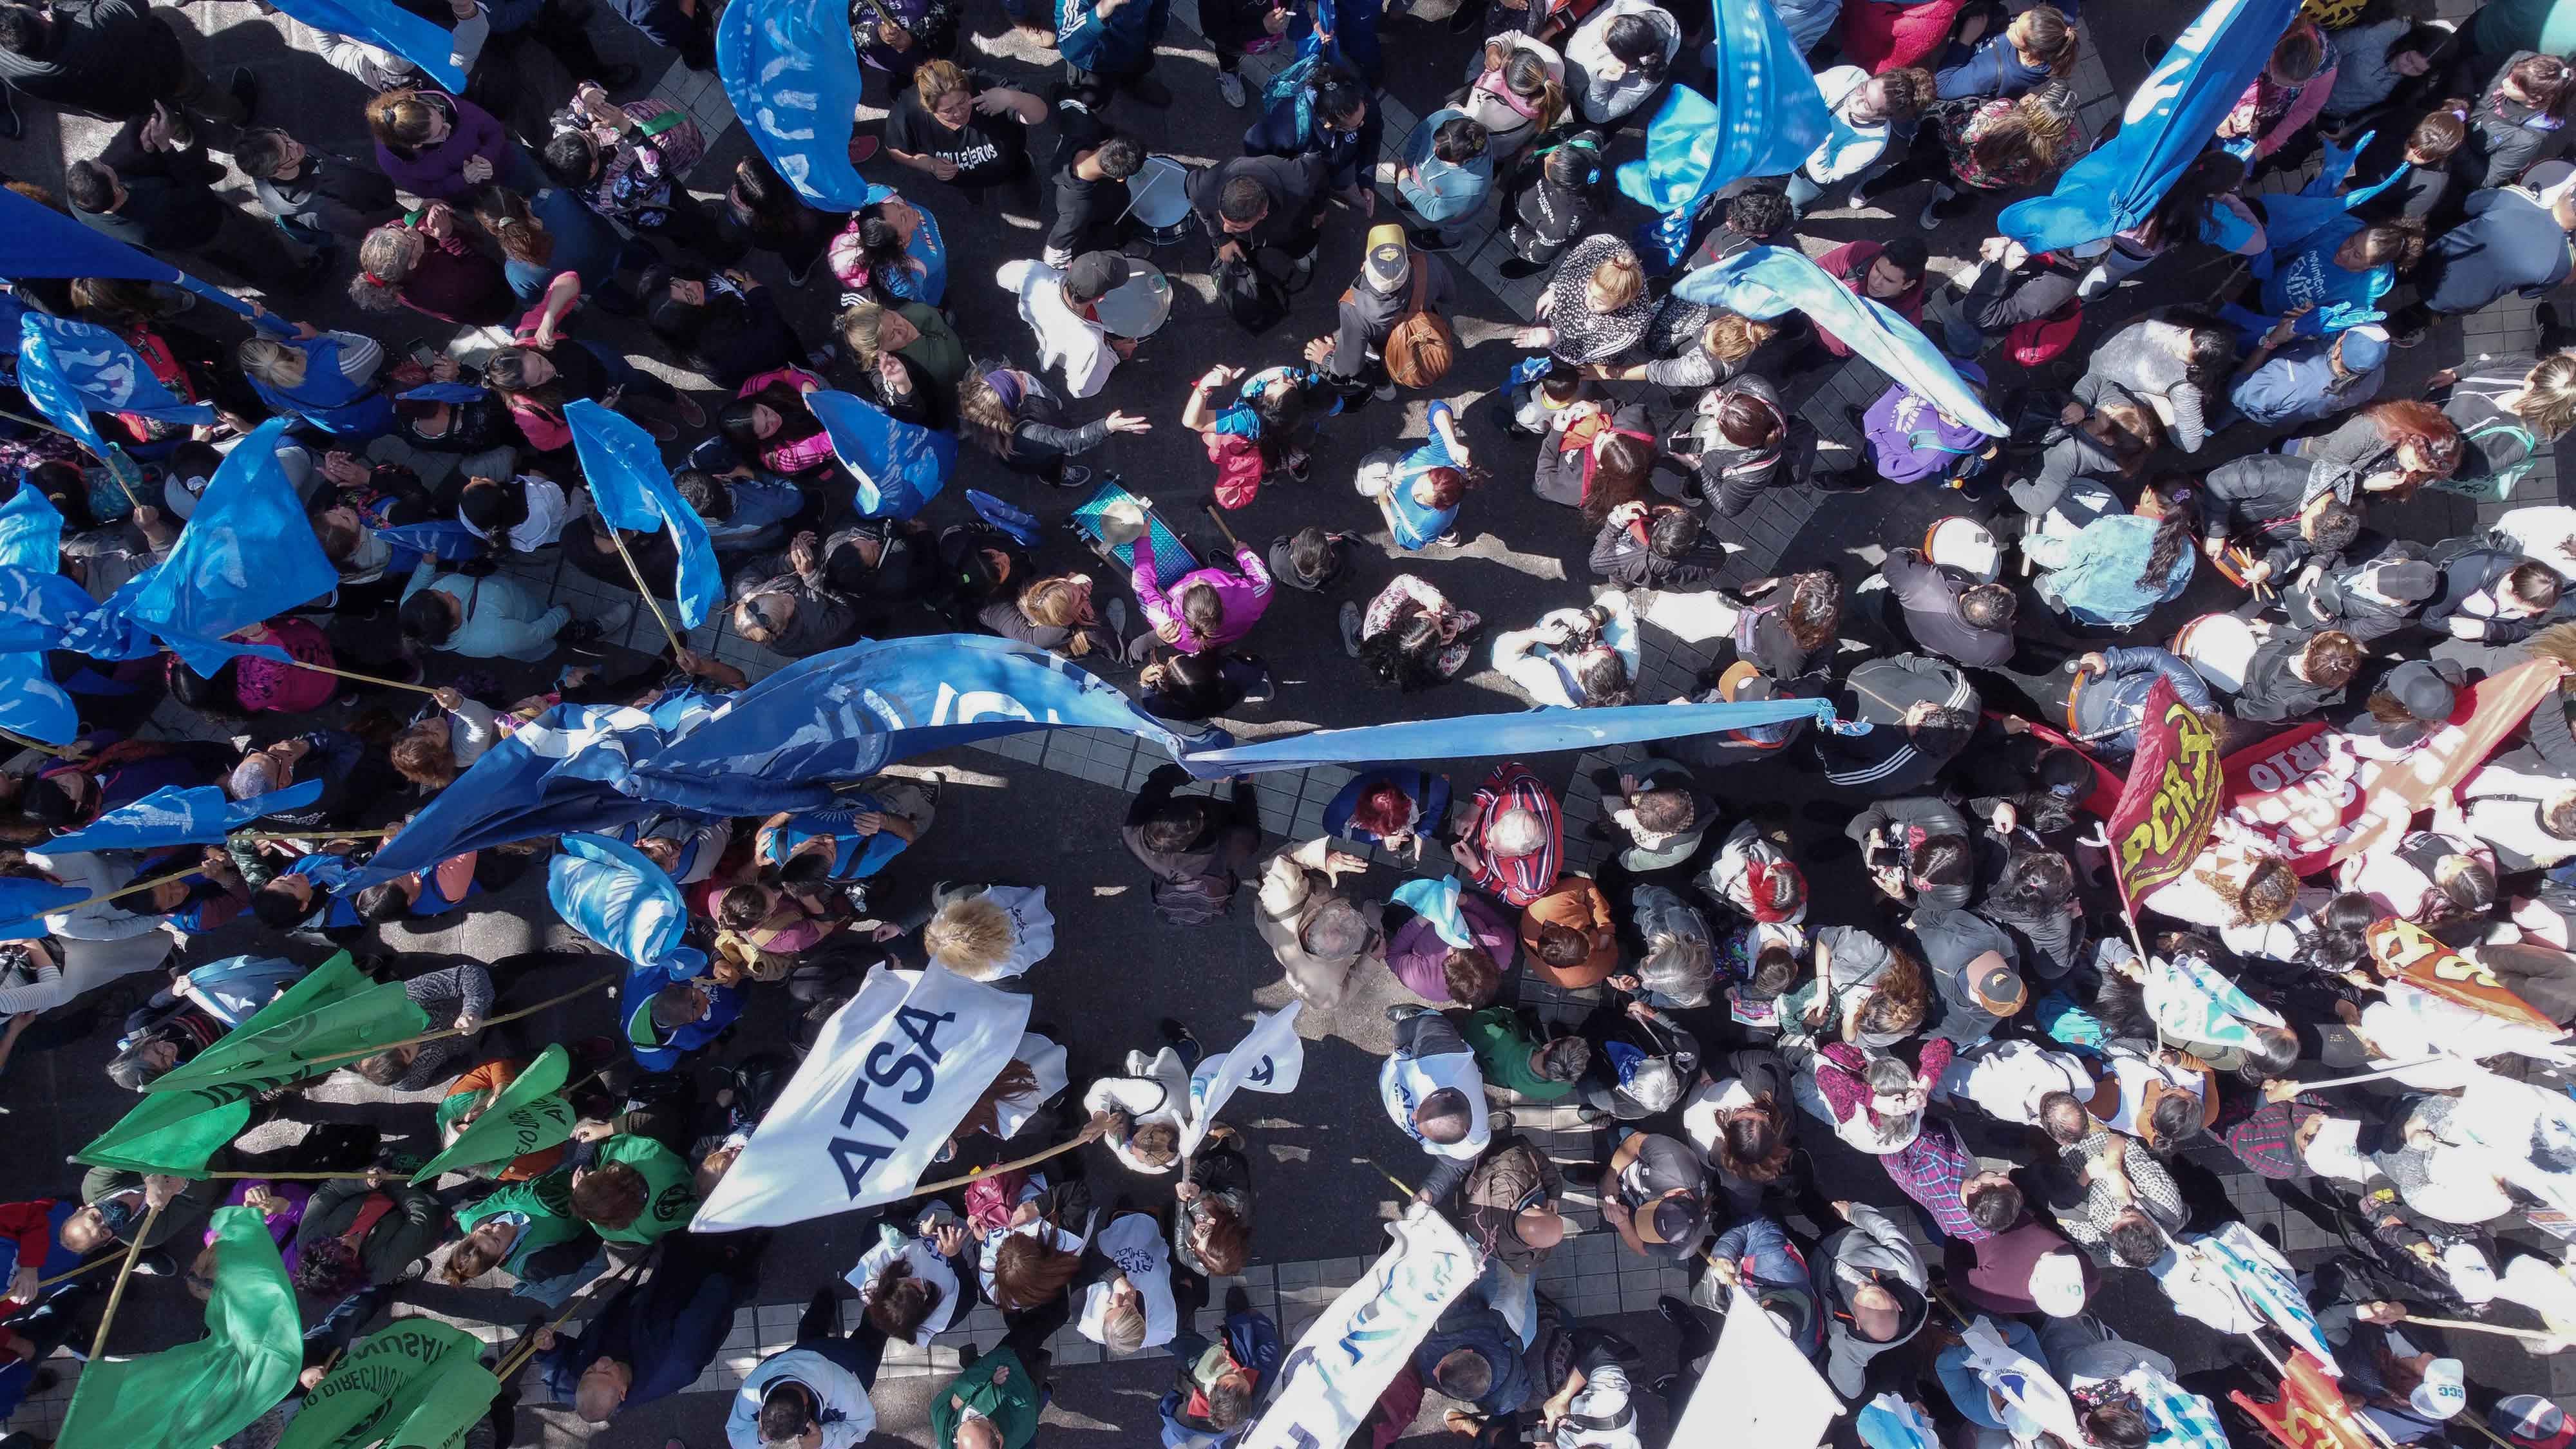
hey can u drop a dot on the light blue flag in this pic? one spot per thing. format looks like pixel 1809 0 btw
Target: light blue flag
pixel 42 379
pixel 634 492
pixel 792 72
pixel 900 466
pixel 926 247
pixel 38 241
pixel 1535 731
pixel 102 373
pixel 1766 118
pixel 444 539
pixel 180 815
pixel 1436 901
pixel 247 555
pixel 31 541
pixel 616 896
pixel 386 26
pixel 24 904
pixel 2169 121
pixel 1767 281
pixel 1889 1422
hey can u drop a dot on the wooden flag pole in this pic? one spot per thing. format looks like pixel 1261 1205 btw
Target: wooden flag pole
pixel 115 1295
pixel 368 678
pixel 2533 1334
pixel 256 835
pixel 443 1033
pixel 927 1188
pixel 108 460
pixel 518 1357
pixel 68 1275
pixel 292 1176
pixel 2372 1076
pixel 24 742
pixel 678 645
pixel 141 885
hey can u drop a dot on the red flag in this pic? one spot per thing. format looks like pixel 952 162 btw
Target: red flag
pixel 2404 950
pixel 2311 1413
pixel 2172 799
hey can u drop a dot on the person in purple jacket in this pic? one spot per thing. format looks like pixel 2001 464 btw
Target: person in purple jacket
pixel 1459 959
pixel 443 147
pixel 1204 608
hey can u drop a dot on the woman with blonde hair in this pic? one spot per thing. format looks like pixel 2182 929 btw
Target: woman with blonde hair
pixel 2039 46
pixel 2508 411
pixel 424 264
pixel 988 933
pixel 325 378
pixel 914 360
pixel 1996 145
pixel 1596 307
pixel 1688 346
pixel 1056 614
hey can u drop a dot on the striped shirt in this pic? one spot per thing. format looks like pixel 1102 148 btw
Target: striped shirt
pixel 1518 879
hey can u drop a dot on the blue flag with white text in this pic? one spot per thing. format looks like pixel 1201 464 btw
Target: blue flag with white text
pixel 1768 281
pixel 900 466
pixel 616 896
pixel 38 241
pixel 386 26
pixel 247 555
pixel 1765 119
pixel 633 491
pixel 104 374
pixel 181 815
pixel 2169 121
pixel 444 539
pixel 792 72
pixel 41 378
pixel 31 541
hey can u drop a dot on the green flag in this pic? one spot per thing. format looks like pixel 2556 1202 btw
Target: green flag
pixel 204 1392
pixel 526 1116
pixel 332 1011
pixel 418 1384
pixel 176 1132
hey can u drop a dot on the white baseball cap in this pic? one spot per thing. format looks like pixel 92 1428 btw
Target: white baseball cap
pixel 2444 1391
pixel 2057 1283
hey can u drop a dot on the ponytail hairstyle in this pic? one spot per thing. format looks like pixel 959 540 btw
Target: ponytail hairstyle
pixel 271 360
pixel 400 120
pixel 2443 130
pixel 2338 934
pixel 2044 34
pixel 1336 98
pixel 119 304
pixel 2330 658
pixel 2412 423
pixel 2398 244
pixel 1815 612
pixel 881 247
pixel 385 260
pixel 2548 401
pixel 1639 45
pixel 1575 162
pixel 2213 347
pixel 984 416
pixel 2211 174
pixel 504 213
pixel 2543 78
pixel 1525 75
pixel 1730 337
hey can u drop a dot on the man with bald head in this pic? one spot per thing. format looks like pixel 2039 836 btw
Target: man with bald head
pixel 1872 1283
pixel 1510 836
pixel 1508 1205
pixel 656 1336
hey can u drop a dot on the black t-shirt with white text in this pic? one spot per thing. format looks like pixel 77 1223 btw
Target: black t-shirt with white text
pixel 985 150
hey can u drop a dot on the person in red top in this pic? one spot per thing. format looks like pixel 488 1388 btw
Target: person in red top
pixel 1890 275
pixel 1512 836
pixel 31 1247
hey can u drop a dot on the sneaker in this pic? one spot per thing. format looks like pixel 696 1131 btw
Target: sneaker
pixel 1929 218
pixel 1150 91
pixel 1673 1310
pixel 797 278
pixel 1350 628
pixel 1305 269
pixel 619 76
pixel 1230 86
pixel 857 894
pixel 2152 49
pixel 1518 268
pixel 1430 239
pixel 155 1263
pixel 1404 1011
pixel 1073 475
pixel 1177 1035
pixel 1298 465
pixel 691 414
pixel 1383 392
pixel 1586 1175
pixel 581 637
pixel 864 149
pixel 245 89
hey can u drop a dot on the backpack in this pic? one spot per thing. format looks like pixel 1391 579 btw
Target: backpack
pixel 1418 352
pixel 1256 303
pixel 2042 338
pixel 1239 468
pixel 2497 483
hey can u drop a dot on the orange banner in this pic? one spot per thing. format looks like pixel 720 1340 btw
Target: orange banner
pixel 2408 952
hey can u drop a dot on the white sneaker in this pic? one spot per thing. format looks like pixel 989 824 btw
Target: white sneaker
pixel 1230 86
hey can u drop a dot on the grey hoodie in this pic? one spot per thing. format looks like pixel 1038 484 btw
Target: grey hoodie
pixel 1872 1250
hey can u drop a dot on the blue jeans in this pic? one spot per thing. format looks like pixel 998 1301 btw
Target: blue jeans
pixel 626 375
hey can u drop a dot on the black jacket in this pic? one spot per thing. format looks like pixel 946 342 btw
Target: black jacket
pixel 2003 298
pixel 1929 594
pixel 1891 759
pixel 170 202
pixel 1731 478
pixel 1224 846
pixel 1907 822
pixel 1620 558
pixel 111 58
pixel 1294 182
pixel 2272 693
pixel 2337 601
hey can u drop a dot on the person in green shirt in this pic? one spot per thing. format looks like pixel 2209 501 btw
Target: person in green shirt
pixel 630 1188
pixel 993 1403
pixel 1510 1056
pixel 529 1230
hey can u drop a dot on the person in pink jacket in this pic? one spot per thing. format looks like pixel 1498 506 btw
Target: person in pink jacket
pixel 1205 608
pixel 770 426
pixel 2285 99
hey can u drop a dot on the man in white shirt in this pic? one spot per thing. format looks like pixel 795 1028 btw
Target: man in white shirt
pixel 812 1395
pixel 1058 305
pixel 1433 1091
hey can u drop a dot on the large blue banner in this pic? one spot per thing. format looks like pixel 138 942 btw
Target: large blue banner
pixel 31 704
pixel 1768 281
pixel 248 554
pixel 2170 120
pixel 842 716
pixel 387 26
pixel 90 369
pixel 1537 731
pixel 612 894
pixel 792 72
pixel 180 815
pixel 633 491
pixel 38 241
pixel 1766 118
pixel 900 466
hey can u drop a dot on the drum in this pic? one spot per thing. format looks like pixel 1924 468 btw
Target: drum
pixel 2217 647
pixel 1966 545
pixel 1138 306
pixel 1158 198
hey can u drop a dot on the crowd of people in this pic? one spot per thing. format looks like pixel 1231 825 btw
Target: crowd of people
pixel 2048 1083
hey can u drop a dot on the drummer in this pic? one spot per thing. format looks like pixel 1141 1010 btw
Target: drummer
pixel 1090 183
pixel 1062 308
pixel 1371 306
